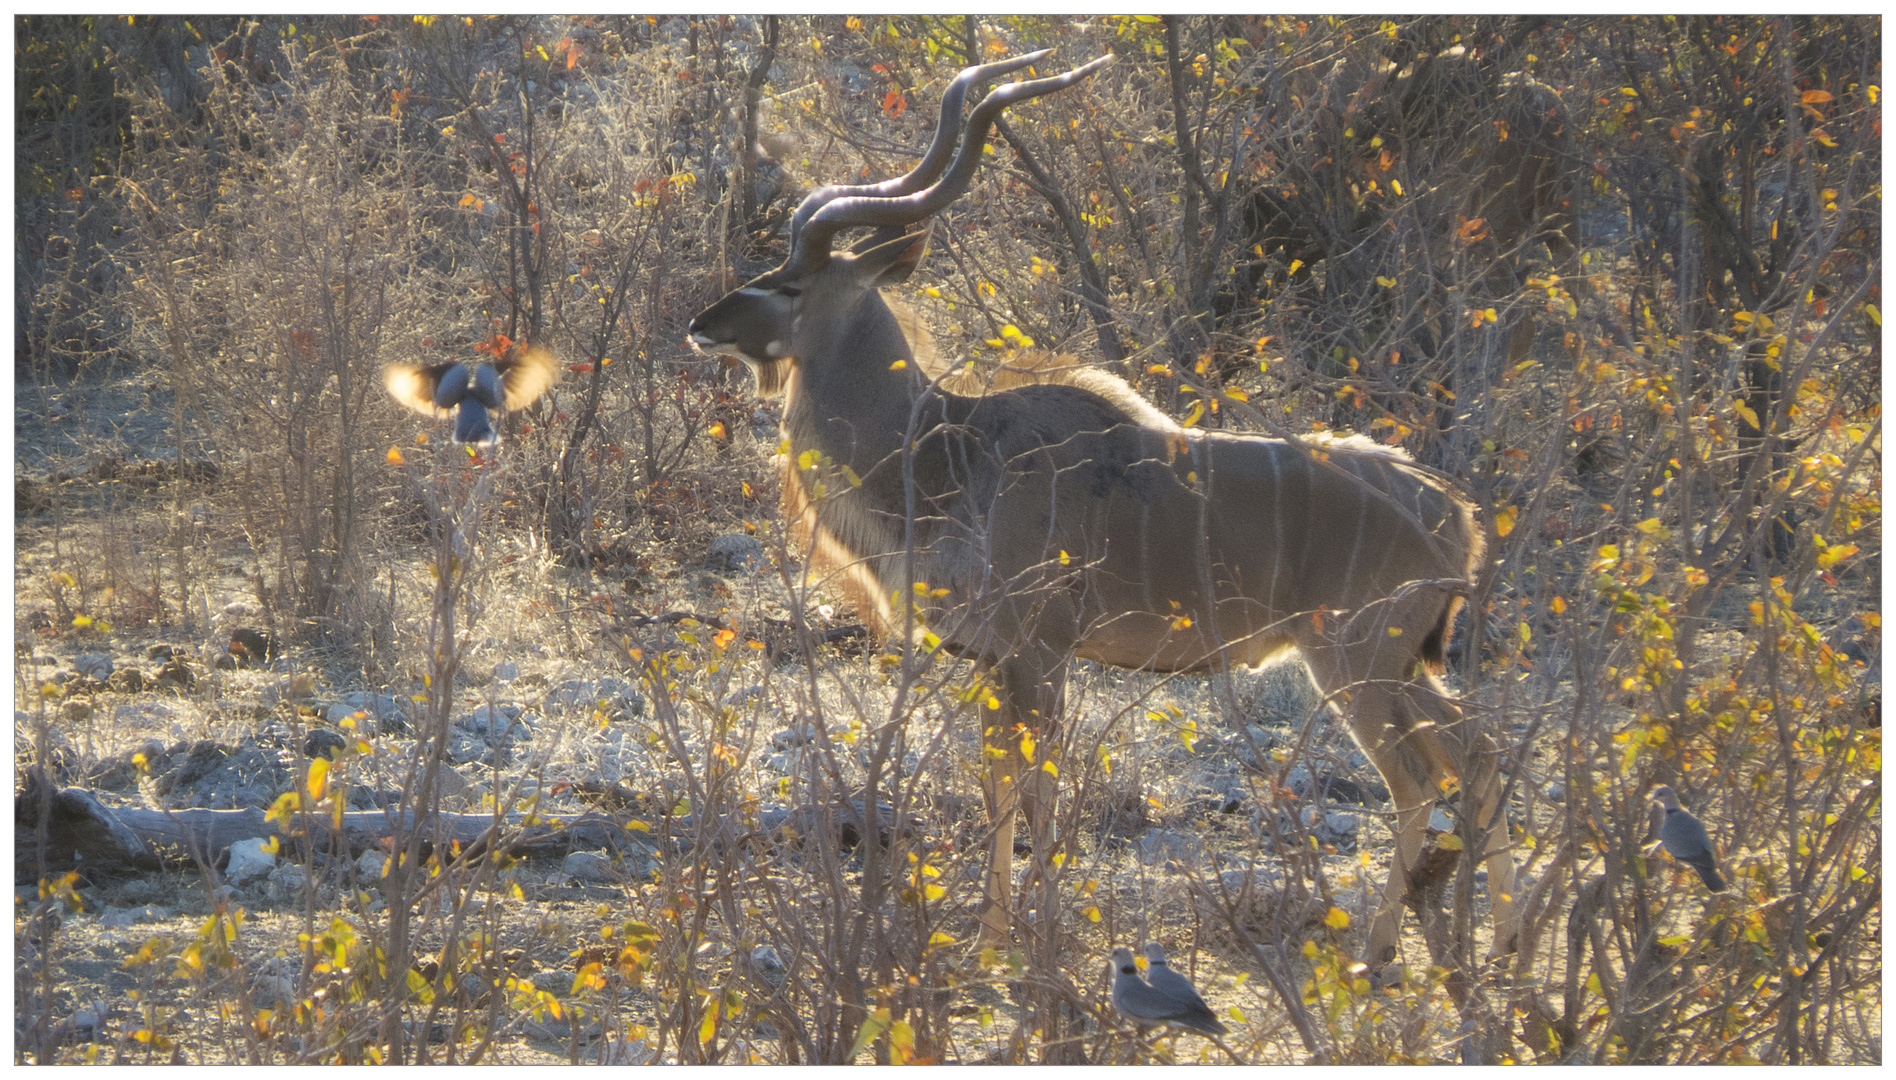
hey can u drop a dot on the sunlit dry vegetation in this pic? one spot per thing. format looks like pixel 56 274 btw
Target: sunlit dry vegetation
pixel 338 742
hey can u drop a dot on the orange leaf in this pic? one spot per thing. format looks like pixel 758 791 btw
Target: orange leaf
pixel 894 104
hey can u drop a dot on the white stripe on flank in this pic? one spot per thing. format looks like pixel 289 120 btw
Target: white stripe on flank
pixel 1362 525
pixel 1277 515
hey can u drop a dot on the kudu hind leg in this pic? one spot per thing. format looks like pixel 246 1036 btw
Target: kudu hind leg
pixel 1412 764
pixel 1473 757
pixel 1482 788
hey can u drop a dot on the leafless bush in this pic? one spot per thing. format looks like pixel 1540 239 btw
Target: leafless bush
pixel 1268 223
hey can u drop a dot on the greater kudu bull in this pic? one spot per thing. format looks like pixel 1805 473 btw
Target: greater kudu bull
pixel 1039 523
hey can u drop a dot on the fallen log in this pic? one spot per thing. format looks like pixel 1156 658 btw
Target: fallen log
pixel 84 833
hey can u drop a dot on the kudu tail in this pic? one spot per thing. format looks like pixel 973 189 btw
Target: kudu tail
pixel 1474 540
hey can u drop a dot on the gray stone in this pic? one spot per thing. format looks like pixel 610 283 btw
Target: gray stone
pixel 94 665
pixel 120 918
pixel 500 725
pixel 610 694
pixel 138 890
pixel 248 862
pixel 739 697
pixel 798 734
pixel 369 867
pixel 557 983
pixel 465 748
pixel 1160 845
pixel 287 883
pixel 374 714
pixel 736 552
pixel 590 866
pixel 768 966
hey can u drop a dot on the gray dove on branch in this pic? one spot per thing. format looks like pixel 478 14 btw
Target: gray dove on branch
pixel 1685 839
pixel 1146 1005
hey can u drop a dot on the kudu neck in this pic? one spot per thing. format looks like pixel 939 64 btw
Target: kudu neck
pixel 851 396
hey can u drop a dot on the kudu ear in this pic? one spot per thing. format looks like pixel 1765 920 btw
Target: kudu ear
pixel 891 262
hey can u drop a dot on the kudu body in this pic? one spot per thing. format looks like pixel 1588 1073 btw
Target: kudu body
pixel 1072 519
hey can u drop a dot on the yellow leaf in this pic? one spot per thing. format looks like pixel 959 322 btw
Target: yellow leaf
pixel 902 1039
pixel 1049 768
pixel 1337 919
pixel 709 1029
pixel 1875 315
pixel 898 365
pixel 1558 605
pixel 1027 746
pixel 394 456
pixel 1386 282
pixel 1832 556
pixel 1504 521
pixel 872 1029
pixel 1396 186
pixel 1295 265
pixel 1091 913
pixel 1236 394
pixel 318 783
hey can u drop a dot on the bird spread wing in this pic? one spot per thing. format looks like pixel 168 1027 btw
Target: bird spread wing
pixel 526 375
pixel 413 385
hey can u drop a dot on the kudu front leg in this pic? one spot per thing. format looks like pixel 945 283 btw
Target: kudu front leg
pixel 1018 739
pixel 1001 793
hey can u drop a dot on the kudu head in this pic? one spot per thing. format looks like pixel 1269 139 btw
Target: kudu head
pixel 806 303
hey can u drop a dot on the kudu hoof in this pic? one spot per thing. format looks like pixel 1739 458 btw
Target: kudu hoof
pixel 1389 976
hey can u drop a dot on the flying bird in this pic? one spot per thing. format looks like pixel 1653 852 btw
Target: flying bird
pixel 1685 839
pixel 470 391
pixel 1146 1005
pixel 1177 987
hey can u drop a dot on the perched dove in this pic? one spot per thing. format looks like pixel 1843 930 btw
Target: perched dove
pixel 1685 839
pixel 470 391
pixel 1145 1006
pixel 1179 989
